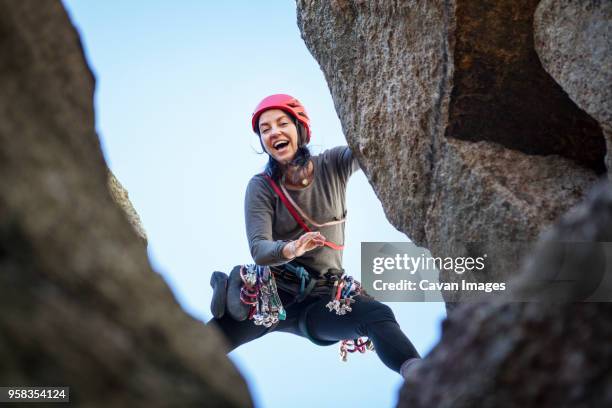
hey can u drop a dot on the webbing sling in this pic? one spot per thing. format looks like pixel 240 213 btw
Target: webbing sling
pixel 304 277
pixel 294 213
pixel 303 214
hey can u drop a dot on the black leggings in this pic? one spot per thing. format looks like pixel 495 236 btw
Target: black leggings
pixel 369 318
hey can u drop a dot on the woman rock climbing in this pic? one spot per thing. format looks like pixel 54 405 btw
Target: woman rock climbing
pixel 294 213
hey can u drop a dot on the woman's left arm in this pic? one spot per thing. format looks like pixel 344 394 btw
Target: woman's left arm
pixel 345 160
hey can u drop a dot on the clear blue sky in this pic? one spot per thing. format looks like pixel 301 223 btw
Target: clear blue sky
pixel 176 85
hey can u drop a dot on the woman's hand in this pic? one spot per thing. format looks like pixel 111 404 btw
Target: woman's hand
pixel 307 242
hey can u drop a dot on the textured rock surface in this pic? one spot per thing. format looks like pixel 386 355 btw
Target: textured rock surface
pixel 538 354
pixel 465 137
pixel 121 197
pixel 486 193
pixel 460 131
pixel 573 40
pixel 80 304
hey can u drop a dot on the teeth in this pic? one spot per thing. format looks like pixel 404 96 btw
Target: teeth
pixel 277 144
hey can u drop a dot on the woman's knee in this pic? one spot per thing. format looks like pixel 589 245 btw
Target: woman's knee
pixel 217 324
pixel 375 311
pixel 236 333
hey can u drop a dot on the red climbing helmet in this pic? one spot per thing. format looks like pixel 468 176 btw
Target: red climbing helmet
pixel 287 103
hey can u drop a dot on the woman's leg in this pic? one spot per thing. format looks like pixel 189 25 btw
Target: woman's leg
pixel 237 333
pixel 369 318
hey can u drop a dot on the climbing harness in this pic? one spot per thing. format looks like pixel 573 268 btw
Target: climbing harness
pixel 260 292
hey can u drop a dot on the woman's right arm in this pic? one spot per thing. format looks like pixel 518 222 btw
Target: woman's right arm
pixel 258 213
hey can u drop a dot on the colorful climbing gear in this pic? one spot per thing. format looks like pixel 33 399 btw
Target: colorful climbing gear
pixel 259 291
pixel 344 289
pixel 351 346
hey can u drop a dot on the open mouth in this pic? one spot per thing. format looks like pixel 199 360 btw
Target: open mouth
pixel 280 145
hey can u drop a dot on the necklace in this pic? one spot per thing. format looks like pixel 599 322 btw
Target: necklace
pixel 304 182
pixel 301 177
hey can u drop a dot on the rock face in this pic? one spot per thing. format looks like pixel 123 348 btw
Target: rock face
pixel 122 198
pixel 486 193
pixel 466 138
pixel 460 131
pixel 537 354
pixel 573 40
pixel 81 305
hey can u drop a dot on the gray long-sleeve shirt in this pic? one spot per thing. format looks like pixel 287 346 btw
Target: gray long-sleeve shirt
pixel 269 225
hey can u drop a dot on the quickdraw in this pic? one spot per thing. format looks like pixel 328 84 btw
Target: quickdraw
pixel 351 346
pixel 345 288
pixel 259 291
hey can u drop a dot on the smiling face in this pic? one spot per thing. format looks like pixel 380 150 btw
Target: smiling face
pixel 278 134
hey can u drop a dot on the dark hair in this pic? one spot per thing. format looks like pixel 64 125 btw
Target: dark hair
pixel 274 168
